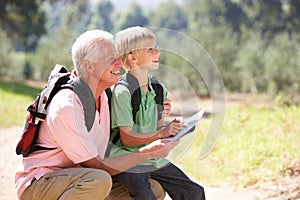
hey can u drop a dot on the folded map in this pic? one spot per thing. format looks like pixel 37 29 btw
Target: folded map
pixel 189 125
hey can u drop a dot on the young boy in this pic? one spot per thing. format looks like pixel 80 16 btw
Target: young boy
pixel 139 54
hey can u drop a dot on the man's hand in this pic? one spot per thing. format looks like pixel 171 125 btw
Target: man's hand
pixel 158 148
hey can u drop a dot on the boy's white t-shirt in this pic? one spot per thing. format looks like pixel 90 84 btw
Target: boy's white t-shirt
pixel 64 128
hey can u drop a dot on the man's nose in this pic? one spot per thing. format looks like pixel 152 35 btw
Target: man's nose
pixel 118 62
pixel 156 51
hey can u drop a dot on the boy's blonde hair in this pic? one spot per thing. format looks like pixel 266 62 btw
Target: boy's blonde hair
pixel 131 40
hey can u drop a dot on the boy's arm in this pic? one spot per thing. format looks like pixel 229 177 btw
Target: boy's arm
pixel 130 138
pixel 122 113
pixel 160 123
pixel 165 113
pixel 167 108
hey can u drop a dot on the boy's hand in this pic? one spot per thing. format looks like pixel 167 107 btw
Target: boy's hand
pixel 171 129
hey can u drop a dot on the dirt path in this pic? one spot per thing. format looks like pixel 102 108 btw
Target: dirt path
pixel 10 161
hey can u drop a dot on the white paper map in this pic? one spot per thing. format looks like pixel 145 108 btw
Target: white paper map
pixel 189 124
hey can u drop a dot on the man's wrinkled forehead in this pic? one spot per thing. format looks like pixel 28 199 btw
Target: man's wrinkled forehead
pixel 108 53
pixel 108 49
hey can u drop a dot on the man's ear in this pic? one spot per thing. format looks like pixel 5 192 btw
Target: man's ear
pixel 88 66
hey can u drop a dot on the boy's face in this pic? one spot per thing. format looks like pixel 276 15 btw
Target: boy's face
pixel 147 57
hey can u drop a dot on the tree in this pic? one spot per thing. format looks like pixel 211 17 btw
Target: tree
pixel 265 16
pixel 249 61
pixel 217 13
pixel 62 30
pixel 105 10
pixel 170 15
pixel 235 16
pixel 23 21
pixel 208 26
pixel 101 17
pixel 282 65
pixel 291 10
pixel 6 48
pixel 134 16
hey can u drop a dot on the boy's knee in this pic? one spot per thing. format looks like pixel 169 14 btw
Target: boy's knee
pixel 143 193
pixel 199 193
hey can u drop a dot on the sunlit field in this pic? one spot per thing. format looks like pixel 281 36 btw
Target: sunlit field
pixel 256 144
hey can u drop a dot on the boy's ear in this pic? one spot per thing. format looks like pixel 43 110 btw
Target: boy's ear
pixel 131 58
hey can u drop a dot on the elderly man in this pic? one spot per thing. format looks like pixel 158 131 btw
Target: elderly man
pixel 77 167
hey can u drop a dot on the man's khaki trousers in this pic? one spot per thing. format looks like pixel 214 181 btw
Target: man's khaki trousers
pixel 80 183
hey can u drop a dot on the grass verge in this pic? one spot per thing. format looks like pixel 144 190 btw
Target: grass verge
pixel 257 144
pixel 15 98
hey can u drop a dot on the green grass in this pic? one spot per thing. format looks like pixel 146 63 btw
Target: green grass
pixel 15 98
pixel 255 145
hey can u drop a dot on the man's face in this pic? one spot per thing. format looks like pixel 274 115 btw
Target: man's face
pixel 108 65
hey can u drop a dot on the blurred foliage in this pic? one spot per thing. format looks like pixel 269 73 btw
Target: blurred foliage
pixel 169 15
pixel 23 21
pixel 6 49
pixel 254 44
pixel 249 61
pixel 101 17
pixel 134 16
pixel 283 68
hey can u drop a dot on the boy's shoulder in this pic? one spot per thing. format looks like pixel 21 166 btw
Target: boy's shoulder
pixel 120 89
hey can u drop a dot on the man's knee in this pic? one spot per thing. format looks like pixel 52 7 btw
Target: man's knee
pixel 103 182
pixel 97 183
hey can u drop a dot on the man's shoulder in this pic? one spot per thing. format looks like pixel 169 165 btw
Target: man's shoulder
pixel 65 95
pixel 64 99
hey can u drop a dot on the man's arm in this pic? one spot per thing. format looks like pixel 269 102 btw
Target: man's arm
pixel 118 164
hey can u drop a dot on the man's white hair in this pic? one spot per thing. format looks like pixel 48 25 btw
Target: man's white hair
pixel 88 46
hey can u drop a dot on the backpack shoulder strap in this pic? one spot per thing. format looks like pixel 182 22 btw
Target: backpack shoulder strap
pixel 159 98
pixel 109 94
pixel 133 86
pixel 87 99
pixel 60 79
